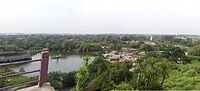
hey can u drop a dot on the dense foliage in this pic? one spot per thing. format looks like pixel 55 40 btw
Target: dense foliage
pixel 59 80
pixel 167 62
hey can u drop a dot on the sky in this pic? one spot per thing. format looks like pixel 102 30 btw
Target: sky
pixel 100 16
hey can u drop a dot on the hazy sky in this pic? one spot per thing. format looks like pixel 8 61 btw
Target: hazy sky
pixel 100 16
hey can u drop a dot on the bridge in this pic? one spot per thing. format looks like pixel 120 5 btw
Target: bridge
pixel 42 84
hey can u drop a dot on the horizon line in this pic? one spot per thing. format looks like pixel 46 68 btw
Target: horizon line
pixel 97 33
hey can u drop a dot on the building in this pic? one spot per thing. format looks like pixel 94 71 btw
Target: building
pixel 118 57
pixel 14 56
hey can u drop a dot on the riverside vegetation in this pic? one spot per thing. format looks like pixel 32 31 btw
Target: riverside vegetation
pixel 169 62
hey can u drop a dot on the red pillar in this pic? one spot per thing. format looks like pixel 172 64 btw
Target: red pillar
pixel 44 68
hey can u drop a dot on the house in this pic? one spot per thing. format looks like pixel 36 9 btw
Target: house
pixel 118 57
pixel 149 43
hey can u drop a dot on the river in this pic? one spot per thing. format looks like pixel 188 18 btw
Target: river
pixel 66 64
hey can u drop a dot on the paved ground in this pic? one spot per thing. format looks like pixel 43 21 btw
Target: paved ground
pixel 46 87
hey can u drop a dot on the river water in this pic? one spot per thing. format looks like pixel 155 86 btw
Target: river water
pixel 66 64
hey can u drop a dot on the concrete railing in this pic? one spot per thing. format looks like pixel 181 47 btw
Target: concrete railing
pixel 43 71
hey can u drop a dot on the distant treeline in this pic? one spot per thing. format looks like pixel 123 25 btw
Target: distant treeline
pixel 83 43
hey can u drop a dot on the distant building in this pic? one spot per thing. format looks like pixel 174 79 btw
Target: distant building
pixel 149 43
pixel 134 41
pixel 118 57
pixel 15 56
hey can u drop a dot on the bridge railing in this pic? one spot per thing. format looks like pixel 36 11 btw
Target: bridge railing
pixel 43 71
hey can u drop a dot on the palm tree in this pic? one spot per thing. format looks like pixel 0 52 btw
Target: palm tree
pixel 82 74
pixel 149 72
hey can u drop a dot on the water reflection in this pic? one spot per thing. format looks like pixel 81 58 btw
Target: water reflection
pixel 65 64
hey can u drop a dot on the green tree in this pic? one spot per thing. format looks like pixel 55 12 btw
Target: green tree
pixel 82 74
pixel 112 75
pixel 175 54
pixel 195 50
pixel 70 45
pixel 124 86
pixel 59 80
pixel 68 79
pixel 55 78
pixel 135 44
pixel 10 48
pixel 81 77
pixel 151 73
